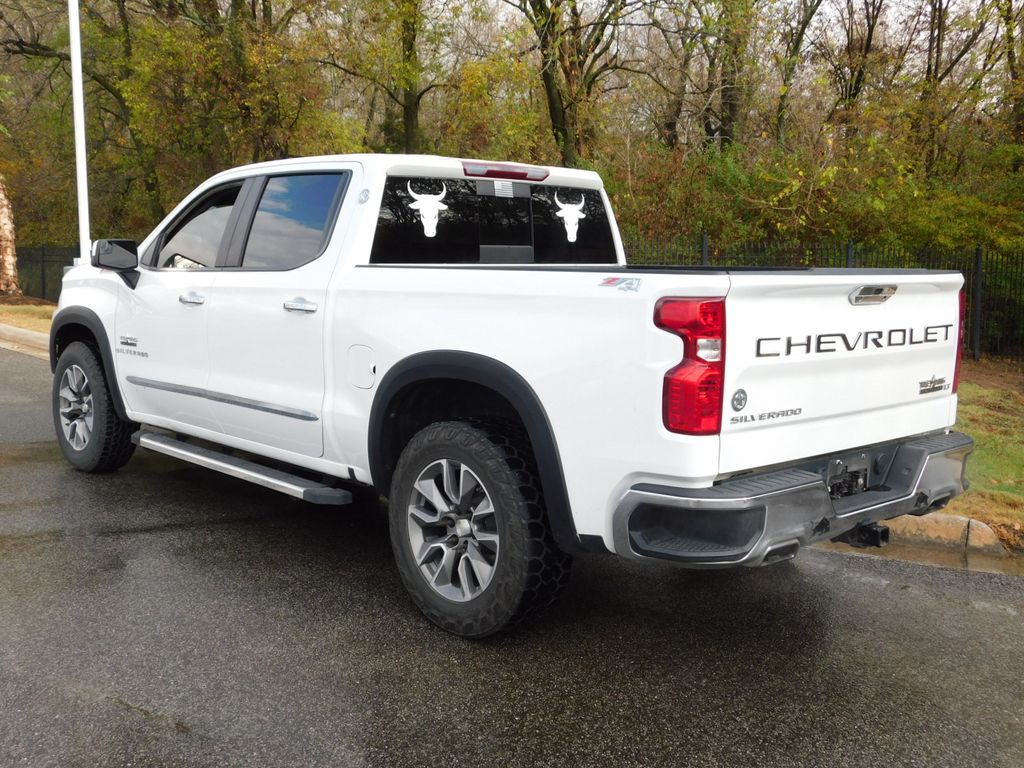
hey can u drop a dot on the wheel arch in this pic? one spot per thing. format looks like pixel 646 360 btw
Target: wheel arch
pixel 487 374
pixel 81 324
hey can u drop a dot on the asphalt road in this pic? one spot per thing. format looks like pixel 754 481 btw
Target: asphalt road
pixel 168 616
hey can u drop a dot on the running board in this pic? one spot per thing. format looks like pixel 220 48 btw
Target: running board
pixel 275 479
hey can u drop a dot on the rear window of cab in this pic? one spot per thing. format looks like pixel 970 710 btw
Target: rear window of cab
pixel 458 221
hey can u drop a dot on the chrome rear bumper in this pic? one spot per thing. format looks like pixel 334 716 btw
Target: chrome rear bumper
pixel 765 518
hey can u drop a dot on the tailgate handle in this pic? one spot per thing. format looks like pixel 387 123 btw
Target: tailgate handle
pixel 872 294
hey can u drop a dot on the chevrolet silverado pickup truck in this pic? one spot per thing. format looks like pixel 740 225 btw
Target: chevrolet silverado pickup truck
pixel 466 339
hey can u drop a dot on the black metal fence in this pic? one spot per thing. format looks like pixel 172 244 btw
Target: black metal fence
pixel 40 269
pixel 994 279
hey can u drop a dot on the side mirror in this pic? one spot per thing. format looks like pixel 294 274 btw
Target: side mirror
pixel 118 255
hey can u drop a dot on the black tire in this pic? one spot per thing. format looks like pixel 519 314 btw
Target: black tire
pixel 109 445
pixel 529 570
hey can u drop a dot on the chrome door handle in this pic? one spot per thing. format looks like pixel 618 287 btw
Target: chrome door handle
pixel 300 305
pixel 192 298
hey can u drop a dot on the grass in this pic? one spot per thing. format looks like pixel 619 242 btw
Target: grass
pixel 992 412
pixel 27 314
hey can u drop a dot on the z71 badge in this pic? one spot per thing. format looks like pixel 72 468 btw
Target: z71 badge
pixel 622 283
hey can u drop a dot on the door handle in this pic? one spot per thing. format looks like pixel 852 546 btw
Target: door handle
pixel 300 305
pixel 192 298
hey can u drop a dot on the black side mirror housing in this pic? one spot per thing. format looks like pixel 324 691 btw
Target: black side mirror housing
pixel 118 255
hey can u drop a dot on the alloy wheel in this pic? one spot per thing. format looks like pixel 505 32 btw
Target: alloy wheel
pixel 453 530
pixel 76 407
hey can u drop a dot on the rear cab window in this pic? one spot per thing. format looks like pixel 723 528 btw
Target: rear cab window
pixel 425 220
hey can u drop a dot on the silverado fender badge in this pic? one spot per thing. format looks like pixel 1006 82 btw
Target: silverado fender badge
pixel 872 294
pixel 622 283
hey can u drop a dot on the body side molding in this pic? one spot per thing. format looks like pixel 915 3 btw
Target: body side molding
pixel 222 397
pixel 506 382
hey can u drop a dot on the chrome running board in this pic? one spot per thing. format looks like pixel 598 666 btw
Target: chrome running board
pixel 275 479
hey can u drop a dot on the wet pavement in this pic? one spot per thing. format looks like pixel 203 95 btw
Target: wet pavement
pixel 168 616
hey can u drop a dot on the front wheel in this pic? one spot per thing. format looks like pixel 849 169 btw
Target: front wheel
pixel 469 530
pixel 92 437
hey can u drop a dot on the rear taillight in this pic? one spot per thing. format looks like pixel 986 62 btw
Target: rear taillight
pixel 959 340
pixel 692 395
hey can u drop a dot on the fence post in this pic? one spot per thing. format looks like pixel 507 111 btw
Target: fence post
pixel 705 249
pixel 976 305
pixel 42 274
pixel 849 254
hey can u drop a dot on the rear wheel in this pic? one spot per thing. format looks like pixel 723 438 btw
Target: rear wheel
pixel 92 437
pixel 469 531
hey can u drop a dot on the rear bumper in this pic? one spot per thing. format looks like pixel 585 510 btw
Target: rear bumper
pixel 766 518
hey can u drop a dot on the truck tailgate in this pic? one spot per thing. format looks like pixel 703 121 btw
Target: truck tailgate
pixel 823 361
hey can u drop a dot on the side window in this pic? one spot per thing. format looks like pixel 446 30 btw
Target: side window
pixel 193 242
pixel 457 221
pixel 293 220
pixel 426 221
pixel 570 226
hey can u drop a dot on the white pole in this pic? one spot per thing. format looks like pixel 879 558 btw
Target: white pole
pixel 78 99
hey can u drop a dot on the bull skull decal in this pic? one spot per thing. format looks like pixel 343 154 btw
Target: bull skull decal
pixel 570 215
pixel 429 207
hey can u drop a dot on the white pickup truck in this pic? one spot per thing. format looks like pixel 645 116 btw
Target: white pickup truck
pixel 466 338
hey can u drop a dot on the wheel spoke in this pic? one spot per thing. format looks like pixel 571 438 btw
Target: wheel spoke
pixel 428 488
pixel 75 435
pixel 483 509
pixel 487 538
pixel 466 582
pixel 66 393
pixel 450 474
pixel 422 516
pixel 481 568
pixel 468 484
pixel 428 551
pixel 443 574
pixel 84 430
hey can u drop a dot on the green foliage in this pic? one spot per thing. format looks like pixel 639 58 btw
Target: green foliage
pixel 189 88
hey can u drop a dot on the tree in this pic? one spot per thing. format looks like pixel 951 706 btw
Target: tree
pixel 1012 20
pixel 8 257
pixel 393 47
pixel 797 22
pixel 849 61
pixel 576 54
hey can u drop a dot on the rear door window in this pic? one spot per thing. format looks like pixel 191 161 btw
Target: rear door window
pixel 458 221
pixel 293 220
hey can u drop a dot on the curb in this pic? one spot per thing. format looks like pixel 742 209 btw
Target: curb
pixel 33 341
pixel 943 530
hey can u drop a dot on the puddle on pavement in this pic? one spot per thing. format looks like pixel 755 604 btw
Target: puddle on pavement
pixel 27 453
pixel 14 542
pixel 1010 566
